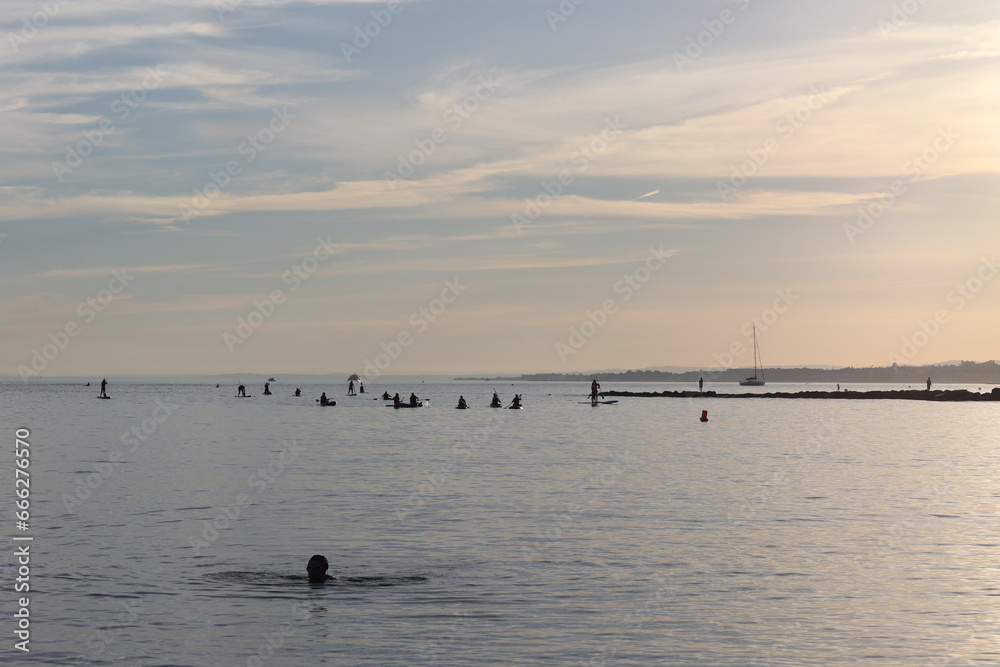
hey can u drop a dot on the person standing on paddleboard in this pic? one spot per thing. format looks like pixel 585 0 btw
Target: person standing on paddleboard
pixel 104 387
pixel 594 389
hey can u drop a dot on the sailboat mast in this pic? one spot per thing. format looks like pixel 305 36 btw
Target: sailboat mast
pixel 756 355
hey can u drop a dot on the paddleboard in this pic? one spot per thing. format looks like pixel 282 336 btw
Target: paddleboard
pixel 598 402
pixel 515 407
pixel 106 398
pixel 328 404
pixel 406 405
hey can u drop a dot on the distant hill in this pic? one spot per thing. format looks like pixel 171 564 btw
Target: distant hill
pixel 987 372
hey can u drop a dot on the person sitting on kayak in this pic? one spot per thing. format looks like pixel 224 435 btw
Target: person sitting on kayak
pixel 241 390
pixel 414 400
pixel 516 403
pixel 385 396
pixel 361 387
pixel 461 402
pixel 323 399
pixel 316 569
pixel 298 392
pixel 267 388
pixel 496 400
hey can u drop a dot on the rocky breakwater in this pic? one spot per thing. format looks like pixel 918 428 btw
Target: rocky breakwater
pixel 950 395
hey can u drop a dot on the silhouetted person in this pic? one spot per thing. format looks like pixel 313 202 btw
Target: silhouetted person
pixel 594 389
pixel 496 400
pixel 323 399
pixel 414 400
pixel 350 388
pixel 516 403
pixel 241 391
pixel 316 569
pixel 701 384
pixel 267 388
pixel 104 387
pixel 395 400
pixel 298 392
pixel 361 387
pixel 928 385
pixel 385 396
pixel 461 402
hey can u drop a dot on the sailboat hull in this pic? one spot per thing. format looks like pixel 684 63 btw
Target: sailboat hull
pixel 751 382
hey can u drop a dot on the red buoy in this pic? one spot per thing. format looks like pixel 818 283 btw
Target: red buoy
pixel 704 415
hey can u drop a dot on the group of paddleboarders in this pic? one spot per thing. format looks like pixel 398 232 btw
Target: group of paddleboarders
pixel 496 402
pixel 397 402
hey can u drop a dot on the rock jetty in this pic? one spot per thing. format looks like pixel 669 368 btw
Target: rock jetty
pixel 950 395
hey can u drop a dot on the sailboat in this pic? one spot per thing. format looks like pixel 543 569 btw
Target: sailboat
pixel 757 367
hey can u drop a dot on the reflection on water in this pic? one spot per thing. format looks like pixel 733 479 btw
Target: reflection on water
pixel 285 580
pixel 778 533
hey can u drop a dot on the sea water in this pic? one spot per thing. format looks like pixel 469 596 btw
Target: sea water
pixel 171 525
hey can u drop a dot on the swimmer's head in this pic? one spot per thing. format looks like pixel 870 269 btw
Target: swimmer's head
pixel 317 567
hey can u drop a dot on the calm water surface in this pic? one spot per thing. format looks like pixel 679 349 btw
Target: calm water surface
pixel 778 533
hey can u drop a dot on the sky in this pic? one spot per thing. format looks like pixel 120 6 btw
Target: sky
pixel 496 186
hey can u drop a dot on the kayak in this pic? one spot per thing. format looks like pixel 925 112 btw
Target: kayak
pixel 329 404
pixel 406 405
pixel 106 398
pixel 461 407
pixel 515 407
pixel 496 406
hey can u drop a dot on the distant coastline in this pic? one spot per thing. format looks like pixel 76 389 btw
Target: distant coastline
pixel 987 372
